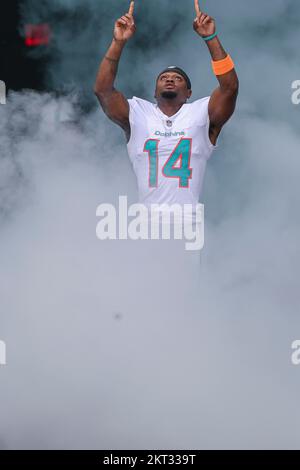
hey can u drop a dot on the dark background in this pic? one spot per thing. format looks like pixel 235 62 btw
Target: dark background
pixel 18 69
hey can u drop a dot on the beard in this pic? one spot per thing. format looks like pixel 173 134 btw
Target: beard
pixel 169 94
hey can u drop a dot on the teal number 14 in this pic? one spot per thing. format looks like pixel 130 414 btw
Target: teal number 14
pixel 181 152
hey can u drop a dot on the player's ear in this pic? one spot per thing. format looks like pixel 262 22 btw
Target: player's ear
pixel 190 93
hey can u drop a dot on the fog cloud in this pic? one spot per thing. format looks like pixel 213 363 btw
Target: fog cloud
pixel 110 345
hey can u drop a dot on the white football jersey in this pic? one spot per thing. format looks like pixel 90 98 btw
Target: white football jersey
pixel 169 154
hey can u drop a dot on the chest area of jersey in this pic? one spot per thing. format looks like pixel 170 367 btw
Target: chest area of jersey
pixel 171 133
pixel 168 128
pixel 169 150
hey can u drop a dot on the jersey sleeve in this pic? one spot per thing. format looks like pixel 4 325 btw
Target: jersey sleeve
pixel 132 104
pixel 133 119
pixel 201 117
pixel 139 109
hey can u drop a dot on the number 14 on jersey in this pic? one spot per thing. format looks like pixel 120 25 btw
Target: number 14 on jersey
pixel 181 153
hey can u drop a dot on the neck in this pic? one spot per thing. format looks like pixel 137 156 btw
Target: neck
pixel 169 107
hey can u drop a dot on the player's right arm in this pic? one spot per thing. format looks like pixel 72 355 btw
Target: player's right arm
pixel 112 101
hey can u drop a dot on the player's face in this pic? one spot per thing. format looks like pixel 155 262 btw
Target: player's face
pixel 172 85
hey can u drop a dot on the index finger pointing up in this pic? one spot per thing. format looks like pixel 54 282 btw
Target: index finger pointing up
pixel 131 8
pixel 197 8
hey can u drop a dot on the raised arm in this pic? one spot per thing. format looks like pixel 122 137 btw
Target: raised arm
pixel 112 101
pixel 223 99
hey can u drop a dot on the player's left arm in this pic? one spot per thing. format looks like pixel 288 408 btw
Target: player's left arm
pixel 223 100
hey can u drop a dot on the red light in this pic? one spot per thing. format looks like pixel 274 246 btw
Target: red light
pixel 37 35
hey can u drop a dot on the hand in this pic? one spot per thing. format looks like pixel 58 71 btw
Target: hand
pixel 124 26
pixel 204 25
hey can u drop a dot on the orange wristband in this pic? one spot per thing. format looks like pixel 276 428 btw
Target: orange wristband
pixel 220 67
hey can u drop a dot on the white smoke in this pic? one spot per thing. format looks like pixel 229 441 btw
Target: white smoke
pixel 110 345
